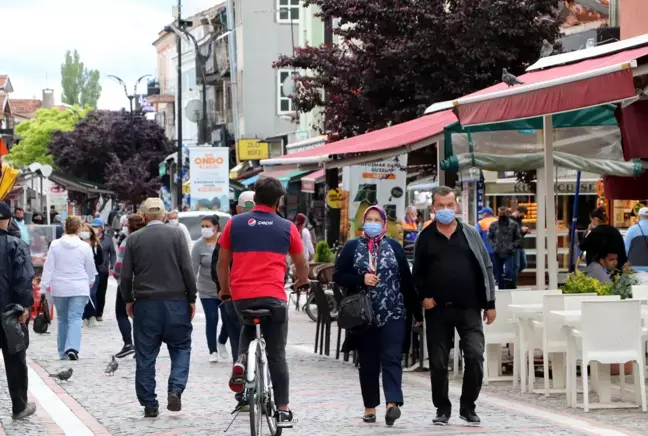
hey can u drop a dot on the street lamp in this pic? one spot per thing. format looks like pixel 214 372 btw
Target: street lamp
pixel 202 62
pixel 132 96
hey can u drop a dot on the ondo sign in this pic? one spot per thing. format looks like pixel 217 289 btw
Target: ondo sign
pixel 252 149
pixel 208 161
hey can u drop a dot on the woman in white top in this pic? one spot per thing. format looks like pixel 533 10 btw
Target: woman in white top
pixel 69 273
pixel 300 223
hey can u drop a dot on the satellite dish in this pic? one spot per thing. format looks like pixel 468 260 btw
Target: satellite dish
pixel 288 85
pixel 46 170
pixel 193 110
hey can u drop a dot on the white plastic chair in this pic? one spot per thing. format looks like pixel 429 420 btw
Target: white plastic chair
pixel 640 292
pixel 553 340
pixel 533 296
pixel 611 332
pixel 501 332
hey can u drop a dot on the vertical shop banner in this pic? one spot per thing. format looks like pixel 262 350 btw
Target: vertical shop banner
pixel 380 183
pixel 209 178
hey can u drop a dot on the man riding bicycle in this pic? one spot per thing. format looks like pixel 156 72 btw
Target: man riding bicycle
pixel 257 243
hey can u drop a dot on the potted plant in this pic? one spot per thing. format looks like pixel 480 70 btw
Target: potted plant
pixel 323 253
pixel 579 283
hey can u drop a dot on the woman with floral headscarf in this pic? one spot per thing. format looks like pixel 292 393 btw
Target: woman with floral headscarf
pixel 376 264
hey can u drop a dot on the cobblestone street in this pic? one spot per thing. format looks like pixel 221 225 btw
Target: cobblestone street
pixel 325 397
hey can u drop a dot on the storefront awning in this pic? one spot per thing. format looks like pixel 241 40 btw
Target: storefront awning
pixel 285 176
pixel 556 84
pixel 308 182
pixel 377 145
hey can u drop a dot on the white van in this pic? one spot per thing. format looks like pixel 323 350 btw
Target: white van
pixel 192 221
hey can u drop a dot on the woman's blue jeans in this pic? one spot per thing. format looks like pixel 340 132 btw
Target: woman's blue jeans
pixel 68 312
pixel 91 307
pixel 211 307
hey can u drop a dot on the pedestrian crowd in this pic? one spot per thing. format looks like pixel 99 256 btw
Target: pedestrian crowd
pixel 241 267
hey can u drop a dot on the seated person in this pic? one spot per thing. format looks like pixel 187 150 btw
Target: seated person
pixel 602 267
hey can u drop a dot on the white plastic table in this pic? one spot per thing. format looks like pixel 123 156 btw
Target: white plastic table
pixel 525 314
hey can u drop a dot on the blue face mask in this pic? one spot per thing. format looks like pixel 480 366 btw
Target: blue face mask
pixel 372 229
pixel 445 216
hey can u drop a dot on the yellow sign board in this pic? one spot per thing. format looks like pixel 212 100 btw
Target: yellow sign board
pixel 334 198
pixel 252 149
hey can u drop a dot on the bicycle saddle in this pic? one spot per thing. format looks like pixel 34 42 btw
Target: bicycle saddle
pixel 256 313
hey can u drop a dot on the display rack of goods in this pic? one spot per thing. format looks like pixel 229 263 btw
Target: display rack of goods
pixel 532 212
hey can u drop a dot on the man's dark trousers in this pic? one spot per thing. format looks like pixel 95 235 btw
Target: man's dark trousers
pixel 231 322
pixel 155 322
pixel 101 292
pixel 440 324
pixel 17 379
pixel 275 333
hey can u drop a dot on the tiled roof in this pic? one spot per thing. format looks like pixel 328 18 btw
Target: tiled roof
pixel 24 108
pixel 3 78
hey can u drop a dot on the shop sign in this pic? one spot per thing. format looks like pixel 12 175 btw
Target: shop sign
pixel 252 149
pixel 560 188
pixel 308 186
pixel 334 198
pixel 209 178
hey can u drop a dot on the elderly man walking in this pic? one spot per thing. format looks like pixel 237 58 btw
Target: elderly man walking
pixel 159 288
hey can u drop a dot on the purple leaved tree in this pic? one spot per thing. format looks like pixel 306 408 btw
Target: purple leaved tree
pixel 110 149
pixel 396 57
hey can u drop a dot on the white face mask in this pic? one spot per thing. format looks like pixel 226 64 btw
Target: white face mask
pixel 174 222
pixel 125 230
pixel 85 236
pixel 207 232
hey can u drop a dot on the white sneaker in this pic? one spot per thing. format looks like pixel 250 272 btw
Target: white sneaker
pixel 222 351
pixel 86 323
pixel 213 358
pixel 92 322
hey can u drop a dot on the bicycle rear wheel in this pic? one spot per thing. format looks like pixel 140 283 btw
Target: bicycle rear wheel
pixel 254 397
pixel 270 406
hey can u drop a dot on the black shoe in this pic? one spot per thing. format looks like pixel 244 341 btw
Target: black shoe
pixel 470 417
pixel 370 418
pixel 284 418
pixel 72 354
pixel 127 350
pixel 174 403
pixel 151 412
pixel 442 418
pixel 393 413
pixel 29 410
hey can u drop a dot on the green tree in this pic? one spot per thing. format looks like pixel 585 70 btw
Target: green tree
pixel 36 134
pixel 80 85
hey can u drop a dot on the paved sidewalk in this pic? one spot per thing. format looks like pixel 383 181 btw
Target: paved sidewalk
pixel 325 396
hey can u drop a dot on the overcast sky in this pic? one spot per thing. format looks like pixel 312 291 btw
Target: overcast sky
pixel 112 36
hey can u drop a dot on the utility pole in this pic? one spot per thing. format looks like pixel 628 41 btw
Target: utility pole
pixel 179 110
pixel 232 60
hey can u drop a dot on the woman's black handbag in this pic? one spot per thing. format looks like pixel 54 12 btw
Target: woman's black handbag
pixel 355 312
pixel 42 320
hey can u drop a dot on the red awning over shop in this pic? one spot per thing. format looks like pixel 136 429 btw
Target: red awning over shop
pixel 413 134
pixel 576 85
pixel 308 182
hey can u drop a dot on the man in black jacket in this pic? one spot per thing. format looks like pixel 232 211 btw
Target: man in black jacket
pixel 453 276
pixel 16 274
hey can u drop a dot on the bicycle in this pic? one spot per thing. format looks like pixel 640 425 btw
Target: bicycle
pixel 258 385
